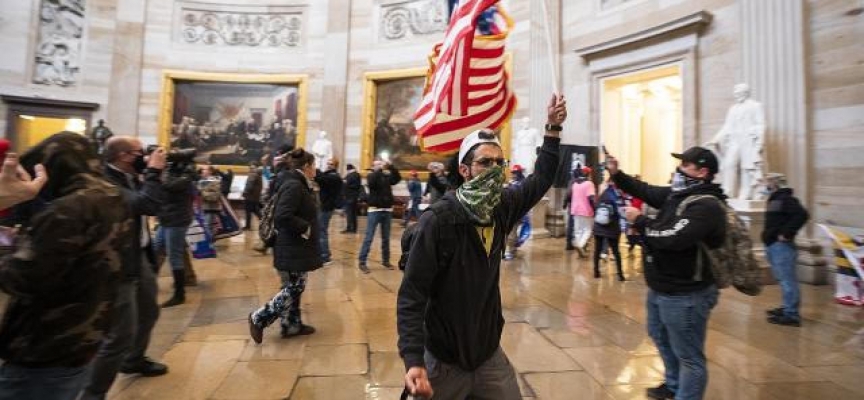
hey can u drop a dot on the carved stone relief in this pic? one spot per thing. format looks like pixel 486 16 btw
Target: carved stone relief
pixel 405 19
pixel 246 26
pixel 61 27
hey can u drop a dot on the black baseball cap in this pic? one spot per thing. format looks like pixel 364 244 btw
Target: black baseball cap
pixel 702 157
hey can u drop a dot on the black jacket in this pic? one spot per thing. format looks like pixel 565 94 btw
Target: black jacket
pixel 454 309
pixel 784 216
pixel 296 214
pixel 353 186
pixel 331 189
pixel 176 211
pixel 672 242
pixel 613 200
pixel 380 187
pixel 145 199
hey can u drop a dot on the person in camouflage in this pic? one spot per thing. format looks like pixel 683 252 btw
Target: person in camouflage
pixel 63 275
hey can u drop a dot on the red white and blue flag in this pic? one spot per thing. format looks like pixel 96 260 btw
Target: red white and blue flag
pixel 467 87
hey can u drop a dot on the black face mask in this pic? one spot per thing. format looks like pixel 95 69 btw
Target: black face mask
pixel 682 181
pixel 139 164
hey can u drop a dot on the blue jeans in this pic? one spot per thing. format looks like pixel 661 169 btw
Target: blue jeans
pixel 783 257
pixel 414 210
pixel 373 219
pixel 21 383
pixel 323 237
pixel 172 240
pixel 678 324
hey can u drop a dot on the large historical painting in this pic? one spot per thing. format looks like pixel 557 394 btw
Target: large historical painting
pixel 234 123
pixel 395 96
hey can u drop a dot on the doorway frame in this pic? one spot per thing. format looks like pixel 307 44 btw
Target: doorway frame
pixel 39 107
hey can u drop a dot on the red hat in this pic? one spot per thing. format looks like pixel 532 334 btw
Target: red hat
pixel 413 172
pixel 516 168
pixel 587 170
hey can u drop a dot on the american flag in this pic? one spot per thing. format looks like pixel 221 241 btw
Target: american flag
pixel 467 87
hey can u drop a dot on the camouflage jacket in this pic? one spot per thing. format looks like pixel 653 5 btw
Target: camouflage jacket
pixel 63 277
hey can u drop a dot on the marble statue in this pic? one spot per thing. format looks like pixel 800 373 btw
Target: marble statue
pixel 527 141
pixel 323 151
pixel 740 144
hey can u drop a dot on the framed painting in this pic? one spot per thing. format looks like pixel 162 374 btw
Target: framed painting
pixel 232 119
pixel 391 98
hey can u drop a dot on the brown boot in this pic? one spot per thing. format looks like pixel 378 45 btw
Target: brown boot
pixel 191 278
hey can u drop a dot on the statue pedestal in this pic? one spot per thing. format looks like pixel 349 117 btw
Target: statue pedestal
pixel 753 214
pixel 538 220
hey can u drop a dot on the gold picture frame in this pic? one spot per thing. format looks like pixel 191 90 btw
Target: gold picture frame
pixel 171 79
pixel 372 81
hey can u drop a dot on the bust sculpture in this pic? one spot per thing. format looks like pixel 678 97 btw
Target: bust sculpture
pixel 323 151
pixel 740 143
pixel 525 146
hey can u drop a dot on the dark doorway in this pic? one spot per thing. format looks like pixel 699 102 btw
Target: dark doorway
pixel 30 119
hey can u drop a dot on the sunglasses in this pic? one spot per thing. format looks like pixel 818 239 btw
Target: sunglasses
pixel 489 162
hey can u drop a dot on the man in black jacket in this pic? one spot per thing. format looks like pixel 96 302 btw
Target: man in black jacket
pixel 449 305
pixel 175 216
pixel 380 210
pixel 681 295
pixel 330 198
pixel 353 188
pixel 136 309
pixel 784 217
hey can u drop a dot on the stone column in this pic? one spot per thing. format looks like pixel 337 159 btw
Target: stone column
pixel 773 64
pixel 125 87
pixel 336 76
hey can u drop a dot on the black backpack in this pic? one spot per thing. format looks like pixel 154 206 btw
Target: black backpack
pixel 446 228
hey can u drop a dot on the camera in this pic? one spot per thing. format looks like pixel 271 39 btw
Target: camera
pixel 178 156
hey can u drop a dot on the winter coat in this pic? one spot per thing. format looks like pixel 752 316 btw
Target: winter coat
pixel 296 220
pixel 784 216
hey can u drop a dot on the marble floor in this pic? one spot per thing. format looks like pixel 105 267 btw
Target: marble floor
pixel 568 335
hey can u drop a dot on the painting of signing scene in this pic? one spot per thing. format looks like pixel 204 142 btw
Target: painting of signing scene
pixel 390 133
pixel 234 123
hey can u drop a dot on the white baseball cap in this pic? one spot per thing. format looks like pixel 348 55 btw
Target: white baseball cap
pixel 474 139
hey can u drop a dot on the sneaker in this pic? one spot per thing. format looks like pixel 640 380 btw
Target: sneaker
pixel 364 269
pixel 328 261
pixel 509 256
pixel 175 300
pixel 297 330
pixel 784 320
pixel 775 312
pixel 570 247
pixel 255 331
pixel 581 252
pixel 621 278
pixel 146 367
pixel 603 256
pixel 387 265
pixel 596 274
pixel 661 392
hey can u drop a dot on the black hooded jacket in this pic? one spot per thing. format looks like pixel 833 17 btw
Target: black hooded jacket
pixel 784 216
pixel 672 241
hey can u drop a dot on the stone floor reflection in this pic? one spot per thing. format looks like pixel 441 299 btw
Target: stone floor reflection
pixel 569 335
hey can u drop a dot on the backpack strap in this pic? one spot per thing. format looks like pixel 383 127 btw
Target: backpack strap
pixel 701 248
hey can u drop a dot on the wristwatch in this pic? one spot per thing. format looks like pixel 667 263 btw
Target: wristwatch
pixel 554 128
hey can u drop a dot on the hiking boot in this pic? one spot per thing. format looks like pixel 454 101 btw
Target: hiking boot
pixel 146 367
pixel 775 312
pixel 784 320
pixel 297 330
pixel 255 331
pixel 175 300
pixel 661 392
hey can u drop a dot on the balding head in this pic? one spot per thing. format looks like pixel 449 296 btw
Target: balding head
pixel 117 145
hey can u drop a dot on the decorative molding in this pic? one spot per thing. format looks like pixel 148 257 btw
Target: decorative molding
pixel 61 28
pixel 45 102
pixel 205 24
pixel 696 21
pixel 406 19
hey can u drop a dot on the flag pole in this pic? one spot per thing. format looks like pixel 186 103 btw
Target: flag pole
pixel 549 48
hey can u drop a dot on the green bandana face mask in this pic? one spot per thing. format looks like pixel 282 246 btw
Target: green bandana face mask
pixel 482 194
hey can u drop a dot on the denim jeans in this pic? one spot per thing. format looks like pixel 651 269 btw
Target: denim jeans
pixel 783 257
pixel 414 210
pixel 494 379
pixel 677 324
pixel 21 383
pixel 172 240
pixel 373 219
pixel 323 237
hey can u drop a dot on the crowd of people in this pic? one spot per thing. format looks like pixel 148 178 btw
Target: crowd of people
pixel 83 305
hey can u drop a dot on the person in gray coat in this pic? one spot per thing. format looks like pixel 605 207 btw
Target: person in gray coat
pixel 297 250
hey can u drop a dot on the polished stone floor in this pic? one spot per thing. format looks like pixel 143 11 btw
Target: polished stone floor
pixel 568 335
